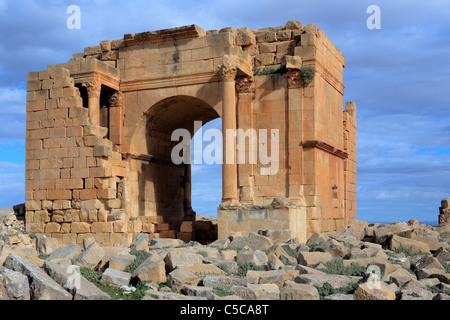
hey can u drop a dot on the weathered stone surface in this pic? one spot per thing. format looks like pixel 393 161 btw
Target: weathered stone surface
pixel 311 259
pixel 25 252
pixel 333 280
pixel 401 229
pixel 297 291
pixel 427 262
pixel 115 277
pixel 68 252
pixel 177 259
pixel 254 241
pixel 334 247
pixel 91 256
pixel 396 242
pixel 13 285
pixel 46 245
pixel 42 286
pixel 428 273
pixel 140 244
pixel 152 269
pixel 257 291
pixel 121 261
pixel 274 264
pixel 339 296
pixel 416 293
pixel 203 270
pixel 199 291
pixel 442 254
pixel 317 238
pixel 165 243
pixel 246 255
pixel 179 278
pixel 69 277
pixel 224 283
pixel 159 295
pixel 276 235
pixel 367 292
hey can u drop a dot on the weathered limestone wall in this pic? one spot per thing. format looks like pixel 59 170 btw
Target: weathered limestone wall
pixel 73 176
pixel 99 129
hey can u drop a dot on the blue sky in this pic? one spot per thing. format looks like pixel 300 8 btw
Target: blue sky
pixel 399 77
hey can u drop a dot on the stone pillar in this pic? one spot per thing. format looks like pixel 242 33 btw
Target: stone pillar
pixel 294 128
pixel 245 88
pixel 229 167
pixel 93 89
pixel 116 118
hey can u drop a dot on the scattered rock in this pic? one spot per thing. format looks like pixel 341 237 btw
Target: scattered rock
pixel 42 286
pixel 69 277
pixel 367 291
pixel 15 285
pixel 298 291
pixel 152 269
pixel 115 277
pixel 312 259
pixel 91 256
pixel 179 278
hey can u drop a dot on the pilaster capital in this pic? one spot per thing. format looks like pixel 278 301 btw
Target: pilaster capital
pixel 245 85
pixel 116 99
pixel 294 79
pixel 93 88
pixel 228 72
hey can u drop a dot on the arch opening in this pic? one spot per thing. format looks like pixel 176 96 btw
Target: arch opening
pixel 163 187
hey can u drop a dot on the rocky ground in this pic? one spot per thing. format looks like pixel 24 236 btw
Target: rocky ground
pixel 401 261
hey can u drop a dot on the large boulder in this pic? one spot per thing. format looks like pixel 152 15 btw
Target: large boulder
pixel 383 233
pixel 114 277
pixel 42 286
pixel 69 252
pixel 91 256
pixel 178 259
pixel 396 242
pixel 152 269
pixel 179 278
pixel 312 259
pixel 247 255
pixel 257 291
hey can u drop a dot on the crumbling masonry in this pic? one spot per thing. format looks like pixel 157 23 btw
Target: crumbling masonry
pixel 98 139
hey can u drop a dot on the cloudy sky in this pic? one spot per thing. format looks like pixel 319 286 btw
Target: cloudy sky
pixel 398 75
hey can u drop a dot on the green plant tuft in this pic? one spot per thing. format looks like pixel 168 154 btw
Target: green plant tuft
pixel 224 268
pixel 140 257
pixel 336 266
pixel 307 74
pixel 244 267
pixel 222 292
pixel 204 254
pixel 327 290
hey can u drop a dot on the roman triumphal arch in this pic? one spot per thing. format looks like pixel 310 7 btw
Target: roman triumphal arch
pixel 99 141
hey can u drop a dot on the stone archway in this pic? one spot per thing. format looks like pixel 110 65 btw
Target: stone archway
pixel 85 176
pixel 158 187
